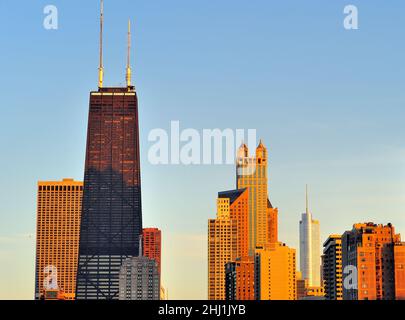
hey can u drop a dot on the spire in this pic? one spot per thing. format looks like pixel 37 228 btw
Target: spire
pixel 306 199
pixel 101 68
pixel 128 75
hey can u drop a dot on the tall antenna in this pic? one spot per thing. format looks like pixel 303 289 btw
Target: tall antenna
pixel 129 71
pixel 306 199
pixel 101 68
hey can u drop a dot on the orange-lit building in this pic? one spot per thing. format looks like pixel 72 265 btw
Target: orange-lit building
pixel 235 206
pixel 370 249
pixel 240 279
pixel 222 245
pixel 152 245
pixel 275 273
pixel 272 223
pixel 58 226
pixel 262 217
pixel 399 258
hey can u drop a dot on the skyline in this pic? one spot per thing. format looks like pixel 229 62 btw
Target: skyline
pixel 295 158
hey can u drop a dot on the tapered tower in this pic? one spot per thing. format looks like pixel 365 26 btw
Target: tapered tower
pixel 111 220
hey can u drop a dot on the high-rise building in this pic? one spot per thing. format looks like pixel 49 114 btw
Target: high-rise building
pixel 240 279
pixel 310 248
pixel 332 267
pixel 275 273
pixel 234 205
pixel 58 224
pixel 111 221
pixel 370 249
pixel 222 248
pixel 251 173
pixel 152 245
pixel 399 267
pixel 139 279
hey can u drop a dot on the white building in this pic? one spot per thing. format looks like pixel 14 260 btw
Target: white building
pixel 310 248
pixel 139 279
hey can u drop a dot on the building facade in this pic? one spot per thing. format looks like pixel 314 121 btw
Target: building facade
pixel 222 248
pixel 152 245
pixel 399 267
pixel 234 205
pixel 310 248
pixel 332 268
pixel 370 249
pixel 59 206
pixel 139 279
pixel 240 279
pixel 251 174
pixel 275 273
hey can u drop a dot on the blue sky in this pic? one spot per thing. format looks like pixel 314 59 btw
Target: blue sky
pixel 328 103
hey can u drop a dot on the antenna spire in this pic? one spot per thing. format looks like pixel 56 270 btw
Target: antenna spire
pixel 101 68
pixel 129 71
pixel 306 199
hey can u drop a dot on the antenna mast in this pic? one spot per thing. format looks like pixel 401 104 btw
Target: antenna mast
pixel 101 68
pixel 129 71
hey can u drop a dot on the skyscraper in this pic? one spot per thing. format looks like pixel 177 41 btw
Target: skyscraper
pixel 372 249
pixel 275 273
pixel 139 279
pixel 399 267
pixel 251 173
pixel 58 223
pixel 111 221
pixel 152 245
pixel 310 248
pixel 222 248
pixel 234 205
pixel 240 279
pixel 332 267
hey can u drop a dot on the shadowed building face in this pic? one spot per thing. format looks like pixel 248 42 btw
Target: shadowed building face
pixel 111 219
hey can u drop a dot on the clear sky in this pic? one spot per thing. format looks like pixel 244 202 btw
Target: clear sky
pixel 328 103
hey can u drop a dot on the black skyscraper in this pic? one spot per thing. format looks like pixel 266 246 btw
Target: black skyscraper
pixel 111 220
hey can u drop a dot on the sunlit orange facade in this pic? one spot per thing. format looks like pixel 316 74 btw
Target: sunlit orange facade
pixel 240 279
pixel 262 217
pixel 152 245
pixel 235 206
pixel 399 258
pixel 370 248
pixel 58 225
pixel 223 243
pixel 272 224
pixel 275 273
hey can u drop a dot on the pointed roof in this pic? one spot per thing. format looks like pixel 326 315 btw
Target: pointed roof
pixel 261 145
pixel 269 205
pixel 232 195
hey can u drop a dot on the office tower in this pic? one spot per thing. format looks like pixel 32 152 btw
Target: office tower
pixel 275 273
pixel 152 245
pixel 370 248
pixel 272 223
pixel 399 260
pixel 111 222
pixel 251 173
pixel 222 248
pixel 332 268
pixel 310 251
pixel 234 205
pixel 240 278
pixel 58 223
pixel 139 279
